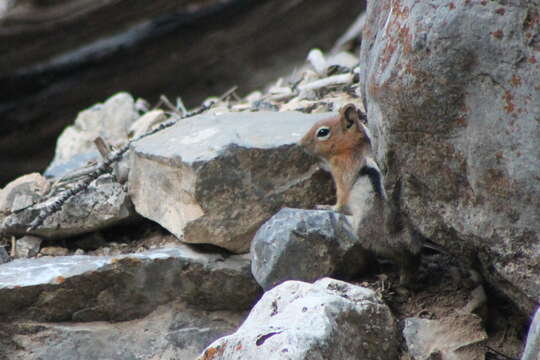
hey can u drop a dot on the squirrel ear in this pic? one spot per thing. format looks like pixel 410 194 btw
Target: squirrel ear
pixel 349 116
pixel 362 117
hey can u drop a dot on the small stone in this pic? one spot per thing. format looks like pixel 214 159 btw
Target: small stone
pixel 27 246
pixel 253 96
pixel 54 251
pixel 79 252
pixel 141 105
pixel 4 256
pixel 343 59
pixel 452 337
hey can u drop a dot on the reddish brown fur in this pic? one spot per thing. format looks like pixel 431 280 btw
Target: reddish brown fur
pixel 344 151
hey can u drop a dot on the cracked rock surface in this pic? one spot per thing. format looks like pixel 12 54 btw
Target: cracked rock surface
pixel 452 97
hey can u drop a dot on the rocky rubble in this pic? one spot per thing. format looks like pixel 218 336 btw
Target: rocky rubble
pixel 111 121
pixel 52 67
pixel 215 178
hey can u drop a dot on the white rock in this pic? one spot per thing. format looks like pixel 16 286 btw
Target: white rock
pixel 146 123
pixel 317 60
pixel 110 120
pixel 344 59
pixel 329 319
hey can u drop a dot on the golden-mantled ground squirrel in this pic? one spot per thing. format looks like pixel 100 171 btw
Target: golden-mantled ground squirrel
pixel 344 145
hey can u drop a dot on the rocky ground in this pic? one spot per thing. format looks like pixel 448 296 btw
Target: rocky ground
pixel 184 234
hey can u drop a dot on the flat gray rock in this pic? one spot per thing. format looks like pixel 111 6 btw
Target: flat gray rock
pixel 452 96
pixel 328 319
pixel 216 179
pixel 171 332
pixel 88 288
pixel 104 203
pixel 305 245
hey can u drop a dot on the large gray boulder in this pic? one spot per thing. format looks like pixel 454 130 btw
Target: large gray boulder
pixel 90 288
pixel 451 91
pixel 171 332
pixel 216 179
pixel 329 319
pixel 104 203
pixel 305 245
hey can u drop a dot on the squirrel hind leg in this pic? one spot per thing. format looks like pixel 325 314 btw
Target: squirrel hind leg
pixel 408 269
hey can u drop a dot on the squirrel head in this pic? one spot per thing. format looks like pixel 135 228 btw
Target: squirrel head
pixel 343 135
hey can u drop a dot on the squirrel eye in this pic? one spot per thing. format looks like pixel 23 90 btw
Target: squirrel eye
pixel 323 133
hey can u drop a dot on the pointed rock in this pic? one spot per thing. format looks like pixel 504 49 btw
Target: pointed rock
pixel 305 245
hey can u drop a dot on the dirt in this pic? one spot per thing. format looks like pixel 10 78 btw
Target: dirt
pixel 443 290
